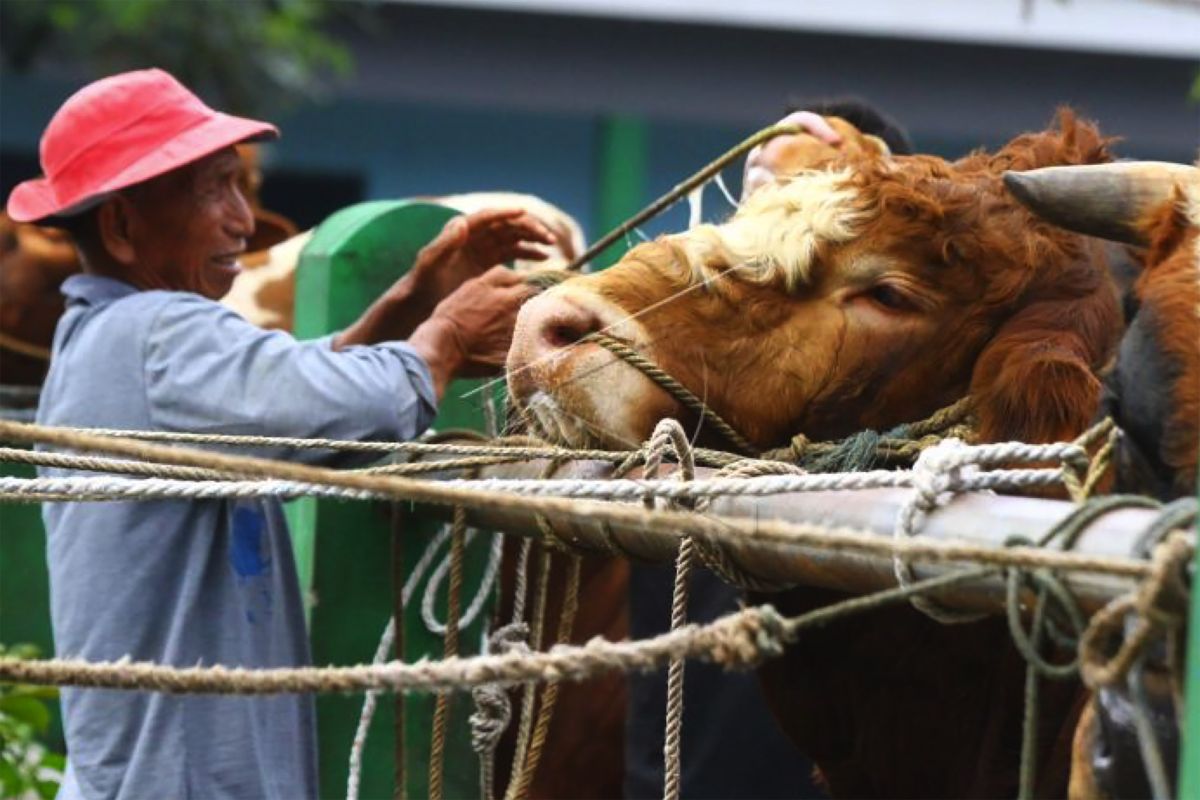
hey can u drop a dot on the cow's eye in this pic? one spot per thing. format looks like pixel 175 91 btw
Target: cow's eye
pixel 889 297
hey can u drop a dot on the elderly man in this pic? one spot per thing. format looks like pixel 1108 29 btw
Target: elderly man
pixel 145 176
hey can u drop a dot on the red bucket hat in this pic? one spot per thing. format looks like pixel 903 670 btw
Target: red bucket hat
pixel 120 131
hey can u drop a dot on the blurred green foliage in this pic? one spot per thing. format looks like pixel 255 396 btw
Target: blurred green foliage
pixel 247 56
pixel 27 768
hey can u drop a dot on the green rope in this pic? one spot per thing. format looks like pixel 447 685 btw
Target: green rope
pixel 1067 532
pixel 870 449
pixel 1029 737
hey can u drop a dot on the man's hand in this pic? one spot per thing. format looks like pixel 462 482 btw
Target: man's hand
pixel 470 245
pixel 783 153
pixel 471 330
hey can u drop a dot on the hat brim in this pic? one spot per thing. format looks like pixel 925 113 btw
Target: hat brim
pixel 34 201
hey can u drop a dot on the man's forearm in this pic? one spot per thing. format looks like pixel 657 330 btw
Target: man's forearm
pixel 435 341
pixel 393 317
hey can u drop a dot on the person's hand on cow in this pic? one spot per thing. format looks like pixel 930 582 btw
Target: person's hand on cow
pixel 470 245
pixel 469 333
pixel 777 156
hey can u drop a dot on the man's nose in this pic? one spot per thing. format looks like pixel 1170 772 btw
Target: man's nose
pixel 240 221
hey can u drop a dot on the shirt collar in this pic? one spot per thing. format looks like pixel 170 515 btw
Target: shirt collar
pixel 95 289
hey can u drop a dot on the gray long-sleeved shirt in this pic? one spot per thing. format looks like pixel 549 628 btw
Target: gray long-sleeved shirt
pixel 197 582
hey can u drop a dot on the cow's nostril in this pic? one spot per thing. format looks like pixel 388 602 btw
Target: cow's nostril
pixel 564 335
pixel 567 326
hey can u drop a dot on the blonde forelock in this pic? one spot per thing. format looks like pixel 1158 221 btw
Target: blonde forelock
pixel 776 232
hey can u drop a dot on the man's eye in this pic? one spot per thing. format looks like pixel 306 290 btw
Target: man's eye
pixel 889 297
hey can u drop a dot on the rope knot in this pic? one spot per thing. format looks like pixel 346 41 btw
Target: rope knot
pixel 493 712
pixel 938 471
pixel 510 638
pixel 799 446
pixel 749 638
pixel 669 437
pixel 493 707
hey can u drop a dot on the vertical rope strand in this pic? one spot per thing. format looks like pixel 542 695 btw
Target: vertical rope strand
pixel 1029 727
pixel 487 754
pixel 521 588
pixel 550 693
pixel 399 789
pixel 525 728
pixel 441 712
pixel 674 720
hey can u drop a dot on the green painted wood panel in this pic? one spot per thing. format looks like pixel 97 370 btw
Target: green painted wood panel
pixel 353 257
pixel 25 583
pixel 1189 767
pixel 620 179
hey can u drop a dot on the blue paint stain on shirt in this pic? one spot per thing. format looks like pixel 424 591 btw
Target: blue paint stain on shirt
pixel 246 550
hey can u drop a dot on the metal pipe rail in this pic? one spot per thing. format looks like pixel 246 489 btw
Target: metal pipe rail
pixel 979 518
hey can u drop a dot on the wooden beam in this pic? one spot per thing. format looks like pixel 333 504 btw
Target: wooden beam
pixel 979 518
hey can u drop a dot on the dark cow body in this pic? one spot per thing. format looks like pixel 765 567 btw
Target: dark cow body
pixel 1140 411
pixel 1153 394
pixel 924 710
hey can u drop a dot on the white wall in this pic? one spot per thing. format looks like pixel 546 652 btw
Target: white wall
pixel 1139 27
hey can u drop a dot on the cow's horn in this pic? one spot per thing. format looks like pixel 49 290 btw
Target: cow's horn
pixel 1105 200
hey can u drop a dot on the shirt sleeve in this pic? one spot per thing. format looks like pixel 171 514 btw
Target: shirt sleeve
pixel 208 370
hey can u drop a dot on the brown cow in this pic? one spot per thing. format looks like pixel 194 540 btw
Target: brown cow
pixel 34 262
pixel 1153 393
pixel 864 295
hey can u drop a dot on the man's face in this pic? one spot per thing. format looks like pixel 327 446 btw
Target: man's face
pixel 187 228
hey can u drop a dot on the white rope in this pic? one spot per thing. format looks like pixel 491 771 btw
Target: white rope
pixel 78 488
pixel 491 571
pixel 695 201
pixel 370 701
pixel 96 488
pixel 719 179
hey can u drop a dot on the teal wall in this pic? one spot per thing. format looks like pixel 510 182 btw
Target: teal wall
pixel 404 149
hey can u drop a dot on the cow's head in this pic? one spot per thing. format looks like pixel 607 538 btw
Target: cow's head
pixel 1153 392
pixel 860 296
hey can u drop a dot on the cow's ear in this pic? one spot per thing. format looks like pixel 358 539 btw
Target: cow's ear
pixel 1036 380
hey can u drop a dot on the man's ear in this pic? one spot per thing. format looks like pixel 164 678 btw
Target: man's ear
pixel 114 222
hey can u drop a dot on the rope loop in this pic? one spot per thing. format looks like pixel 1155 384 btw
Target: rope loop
pixel 1159 605
pixel 1047 586
pixel 669 436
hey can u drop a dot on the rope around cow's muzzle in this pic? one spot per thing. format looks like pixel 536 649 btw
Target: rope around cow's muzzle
pixel 674 388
